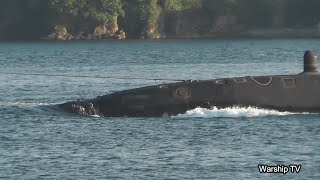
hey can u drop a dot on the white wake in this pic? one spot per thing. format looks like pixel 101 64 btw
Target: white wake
pixel 232 112
pixel 23 104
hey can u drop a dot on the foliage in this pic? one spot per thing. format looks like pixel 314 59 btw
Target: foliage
pixel 35 17
pixel 104 11
pixel 145 13
pixel 153 14
pixel 182 5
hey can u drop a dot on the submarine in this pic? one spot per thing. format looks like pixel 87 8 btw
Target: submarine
pixel 293 93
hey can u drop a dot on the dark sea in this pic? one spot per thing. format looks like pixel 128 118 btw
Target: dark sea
pixel 38 141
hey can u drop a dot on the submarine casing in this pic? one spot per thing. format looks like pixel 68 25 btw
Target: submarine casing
pixel 295 93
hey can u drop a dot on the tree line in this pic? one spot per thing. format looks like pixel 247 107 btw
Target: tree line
pixel 34 18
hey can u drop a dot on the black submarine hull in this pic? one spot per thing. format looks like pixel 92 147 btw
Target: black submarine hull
pixel 294 93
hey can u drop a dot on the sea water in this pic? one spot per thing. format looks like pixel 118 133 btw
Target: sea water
pixel 38 141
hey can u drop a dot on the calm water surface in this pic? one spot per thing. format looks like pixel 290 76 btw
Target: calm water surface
pixel 38 141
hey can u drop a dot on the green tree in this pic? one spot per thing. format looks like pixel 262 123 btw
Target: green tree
pixel 154 11
pixel 103 11
pixel 182 5
pixel 145 12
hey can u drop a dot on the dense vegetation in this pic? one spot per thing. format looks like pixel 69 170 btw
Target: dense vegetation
pixel 105 11
pixel 36 18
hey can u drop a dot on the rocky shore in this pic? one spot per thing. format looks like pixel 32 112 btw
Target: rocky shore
pixel 99 32
pixel 224 30
pixel 157 19
pixel 190 25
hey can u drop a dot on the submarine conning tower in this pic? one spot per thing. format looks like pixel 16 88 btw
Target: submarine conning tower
pixel 310 62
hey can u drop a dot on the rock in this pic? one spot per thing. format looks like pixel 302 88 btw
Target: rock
pixel 152 33
pixel 110 32
pixel 60 33
pixel 52 36
pixel 70 37
pixel 114 27
pixel 79 35
pixel 60 37
pixel 99 31
pixel 122 35
pixel 90 36
pixel 61 30
pixel 84 33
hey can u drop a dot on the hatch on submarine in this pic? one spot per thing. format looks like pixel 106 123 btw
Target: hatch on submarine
pixel 294 93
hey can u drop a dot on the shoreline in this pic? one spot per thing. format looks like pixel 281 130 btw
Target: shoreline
pixel 281 33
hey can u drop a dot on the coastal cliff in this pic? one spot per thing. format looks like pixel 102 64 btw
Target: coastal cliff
pixel 153 19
